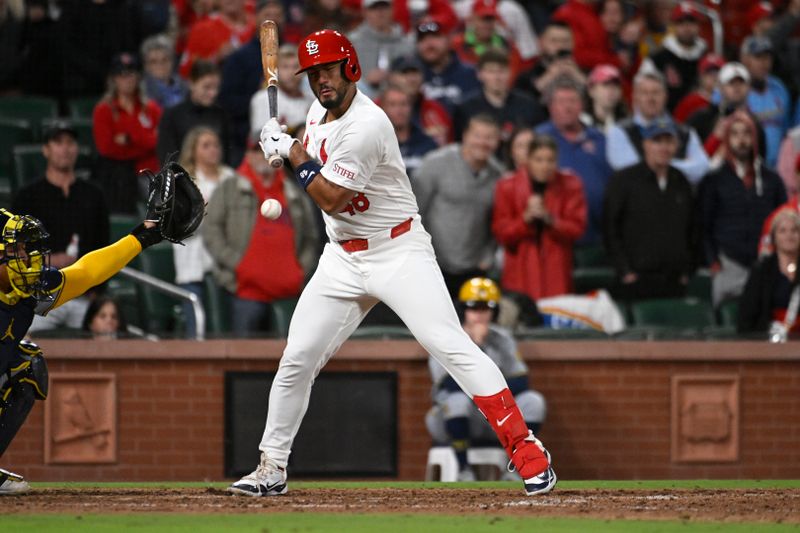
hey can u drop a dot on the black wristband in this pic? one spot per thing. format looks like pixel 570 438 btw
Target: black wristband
pixel 147 236
pixel 306 173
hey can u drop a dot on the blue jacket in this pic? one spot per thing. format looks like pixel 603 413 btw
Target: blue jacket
pixel 772 107
pixel 451 85
pixel 414 149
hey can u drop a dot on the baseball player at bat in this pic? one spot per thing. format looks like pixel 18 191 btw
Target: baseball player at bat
pixel 349 163
pixel 29 285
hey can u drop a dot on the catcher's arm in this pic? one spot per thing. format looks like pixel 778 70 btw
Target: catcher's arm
pixel 96 267
pixel 175 209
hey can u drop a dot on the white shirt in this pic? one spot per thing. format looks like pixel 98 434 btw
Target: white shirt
pixel 359 151
pixel 192 260
pixel 292 110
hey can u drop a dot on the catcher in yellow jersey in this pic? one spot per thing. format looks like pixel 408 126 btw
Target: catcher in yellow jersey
pixel 28 285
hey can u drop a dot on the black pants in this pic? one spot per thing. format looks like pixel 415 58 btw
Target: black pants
pixel 651 285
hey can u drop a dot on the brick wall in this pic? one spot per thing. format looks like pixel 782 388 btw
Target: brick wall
pixel 609 405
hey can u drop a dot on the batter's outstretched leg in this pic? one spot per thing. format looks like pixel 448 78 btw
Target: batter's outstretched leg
pixel 436 326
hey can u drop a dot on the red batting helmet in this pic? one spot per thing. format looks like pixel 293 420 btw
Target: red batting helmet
pixel 329 46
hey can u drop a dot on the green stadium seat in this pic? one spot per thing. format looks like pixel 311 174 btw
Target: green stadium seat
pixel 587 279
pixel 30 164
pixel 690 314
pixel 31 108
pixel 160 309
pixel 652 333
pixel 129 296
pixel 382 332
pixel 82 108
pixel 12 133
pixel 700 286
pixel 122 225
pixel 728 312
pixel 543 333
pixel 218 319
pixel 590 255
pixel 281 314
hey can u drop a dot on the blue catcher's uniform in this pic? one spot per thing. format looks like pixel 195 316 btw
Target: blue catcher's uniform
pixel 16 318
pixel 31 286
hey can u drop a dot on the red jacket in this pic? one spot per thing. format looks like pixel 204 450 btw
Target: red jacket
pixel 592 46
pixel 140 129
pixel 545 268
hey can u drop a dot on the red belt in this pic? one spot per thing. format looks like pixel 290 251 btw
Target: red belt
pixel 359 245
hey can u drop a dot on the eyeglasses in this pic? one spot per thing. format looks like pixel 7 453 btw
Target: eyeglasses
pixel 428 27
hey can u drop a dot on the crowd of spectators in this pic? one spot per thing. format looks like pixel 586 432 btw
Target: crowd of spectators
pixel 530 130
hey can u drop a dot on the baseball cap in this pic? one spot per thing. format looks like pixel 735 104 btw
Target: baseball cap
pixel 406 63
pixel 756 45
pixel 759 11
pixel 124 62
pixel 604 74
pixel 57 128
pixel 710 62
pixel 485 8
pixel 661 126
pixel 370 3
pixel 686 11
pixel 731 71
pixel 429 27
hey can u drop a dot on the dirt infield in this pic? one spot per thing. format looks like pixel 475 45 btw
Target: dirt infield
pixel 744 505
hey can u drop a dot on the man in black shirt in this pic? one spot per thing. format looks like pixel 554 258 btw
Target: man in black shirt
pixel 555 61
pixel 511 108
pixel 650 224
pixel 73 210
pixel 680 53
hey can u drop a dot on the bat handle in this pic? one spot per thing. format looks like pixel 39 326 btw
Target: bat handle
pixel 275 161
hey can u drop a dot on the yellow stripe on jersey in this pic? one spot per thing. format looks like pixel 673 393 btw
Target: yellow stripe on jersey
pixel 96 267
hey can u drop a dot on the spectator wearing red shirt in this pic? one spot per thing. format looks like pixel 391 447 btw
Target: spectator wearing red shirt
pixel 188 13
pixel 539 213
pixel 216 36
pixel 125 132
pixel 592 46
pixel 700 98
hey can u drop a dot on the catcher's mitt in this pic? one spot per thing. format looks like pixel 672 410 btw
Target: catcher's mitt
pixel 175 202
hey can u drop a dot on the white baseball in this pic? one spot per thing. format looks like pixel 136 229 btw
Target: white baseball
pixel 271 209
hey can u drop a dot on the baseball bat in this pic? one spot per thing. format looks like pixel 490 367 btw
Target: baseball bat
pixel 269 62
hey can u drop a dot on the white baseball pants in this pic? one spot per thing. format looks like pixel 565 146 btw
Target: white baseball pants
pixel 403 274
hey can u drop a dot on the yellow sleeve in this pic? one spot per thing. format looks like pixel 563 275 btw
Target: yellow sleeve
pixel 96 267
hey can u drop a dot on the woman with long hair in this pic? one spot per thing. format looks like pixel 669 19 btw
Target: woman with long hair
pixel 104 319
pixel 125 127
pixel 201 156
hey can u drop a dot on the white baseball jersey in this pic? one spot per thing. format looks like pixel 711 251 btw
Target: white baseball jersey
pixel 359 151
